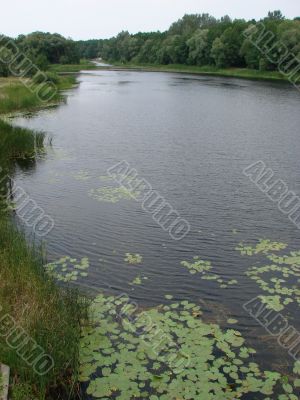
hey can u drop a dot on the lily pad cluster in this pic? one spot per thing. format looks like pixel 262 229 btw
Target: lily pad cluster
pixel 133 259
pixel 197 265
pixel 170 353
pixel 264 246
pixel 68 269
pixel 138 280
pixel 279 279
pixel 203 267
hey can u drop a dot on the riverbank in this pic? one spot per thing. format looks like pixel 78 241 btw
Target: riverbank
pixel 242 73
pixel 39 318
pixel 72 68
pixel 15 96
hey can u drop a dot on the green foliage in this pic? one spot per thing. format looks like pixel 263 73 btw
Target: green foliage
pixel 278 277
pixel 169 352
pixel 199 49
pixel 204 268
pixel 68 269
pixel 264 246
pixel 133 258
pixel 48 314
pixel 17 97
pixel 5 55
pixel 50 76
pixel 198 40
pixel 18 143
pixel 46 48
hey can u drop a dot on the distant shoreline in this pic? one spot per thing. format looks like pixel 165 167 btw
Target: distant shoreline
pixel 241 73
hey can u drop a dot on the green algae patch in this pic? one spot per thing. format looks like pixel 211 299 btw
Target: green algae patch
pixel 111 194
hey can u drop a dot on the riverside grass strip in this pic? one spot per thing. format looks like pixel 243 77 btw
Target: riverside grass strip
pixel 49 314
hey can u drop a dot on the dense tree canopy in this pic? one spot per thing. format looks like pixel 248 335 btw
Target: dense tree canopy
pixel 41 48
pixel 49 48
pixel 198 39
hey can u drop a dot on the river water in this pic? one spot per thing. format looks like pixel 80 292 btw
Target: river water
pixel 190 137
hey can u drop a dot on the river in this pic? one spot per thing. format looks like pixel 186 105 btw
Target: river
pixel 190 137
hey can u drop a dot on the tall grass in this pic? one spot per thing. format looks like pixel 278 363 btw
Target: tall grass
pixel 50 315
pixel 18 142
pixel 15 96
pixel 72 68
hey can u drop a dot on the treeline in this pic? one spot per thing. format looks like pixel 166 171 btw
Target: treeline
pixel 42 49
pixel 198 40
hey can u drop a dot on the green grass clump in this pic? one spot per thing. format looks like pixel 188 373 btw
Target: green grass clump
pixel 49 314
pixel 16 143
pixel 16 96
pixel 66 82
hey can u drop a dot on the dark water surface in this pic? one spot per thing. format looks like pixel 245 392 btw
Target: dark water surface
pixel 190 137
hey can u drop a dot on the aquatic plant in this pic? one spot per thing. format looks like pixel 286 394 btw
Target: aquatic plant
pixel 197 265
pixel 124 358
pixel 138 280
pixel 111 194
pixel 68 269
pixel 276 278
pixel 203 267
pixel 133 259
pixel 264 246
pixel 19 143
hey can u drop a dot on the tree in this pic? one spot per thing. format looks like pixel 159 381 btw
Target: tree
pixel 49 46
pixel 218 53
pixel 173 50
pixel 289 35
pixel 198 46
pixel 249 51
pixel 275 15
pixel 5 56
pixel 226 49
pixel 187 25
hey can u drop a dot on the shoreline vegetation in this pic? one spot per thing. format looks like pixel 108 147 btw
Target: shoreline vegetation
pixel 241 73
pixel 45 314
pixel 16 97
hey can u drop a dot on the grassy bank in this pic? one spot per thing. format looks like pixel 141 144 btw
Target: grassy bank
pixel 33 309
pixel 243 73
pixel 44 312
pixel 72 68
pixel 15 96
pixel 18 143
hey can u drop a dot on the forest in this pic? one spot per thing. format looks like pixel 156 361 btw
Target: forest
pixel 197 39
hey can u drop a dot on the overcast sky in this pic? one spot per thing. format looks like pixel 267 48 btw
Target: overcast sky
pixel 87 19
